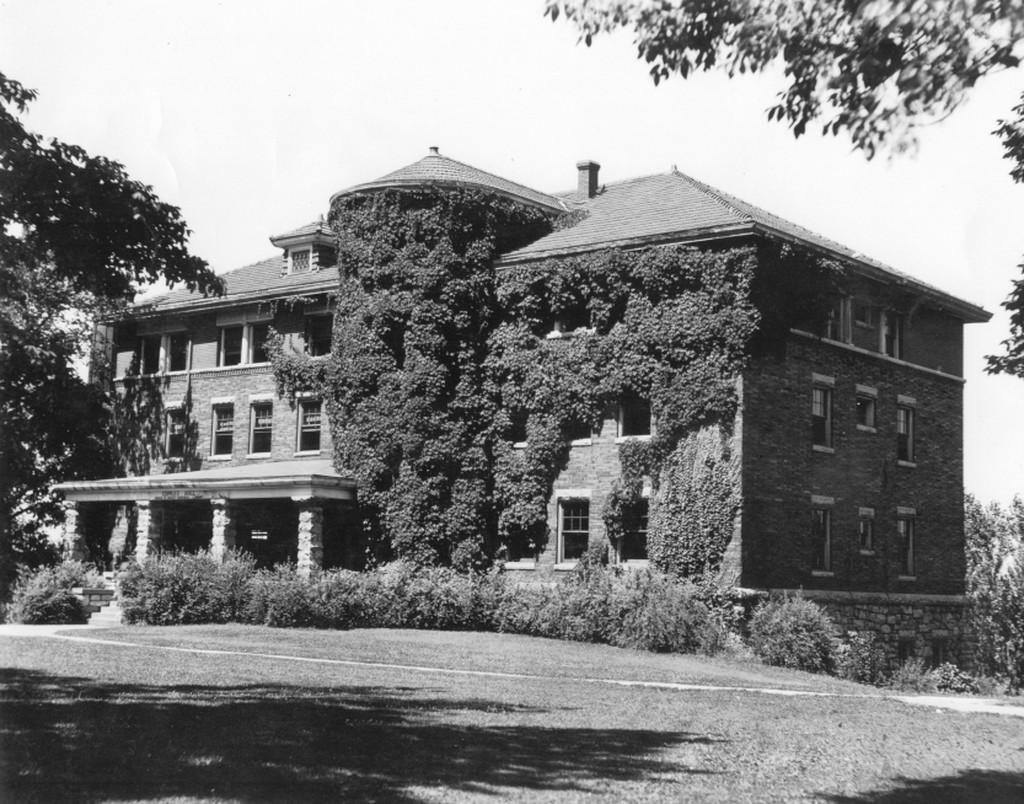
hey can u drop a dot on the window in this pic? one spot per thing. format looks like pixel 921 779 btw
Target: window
pixel 905 650
pixel 892 334
pixel 261 427
pixel 634 537
pixel 149 354
pixel 862 316
pixel 574 318
pixel 309 425
pixel 518 432
pixel 821 417
pixel 177 351
pixel 837 324
pixel 940 651
pixel 866 529
pixel 634 417
pixel 176 427
pixel 223 429
pixel 905 539
pixel 575 528
pixel 579 430
pixel 230 346
pixel 300 260
pixel 258 335
pixel 865 411
pixel 318 335
pixel 905 434
pixel 821 538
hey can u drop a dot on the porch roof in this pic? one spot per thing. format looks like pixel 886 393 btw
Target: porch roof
pixel 298 479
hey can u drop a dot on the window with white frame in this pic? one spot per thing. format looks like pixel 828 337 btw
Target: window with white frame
pixel 258 335
pixel 821 539
pixel 905 433
pixel 905 537
pixel 862 314
pixel 223 429
pixel 177 425
pixel 575 318
pixel 573 528
pixel 261 427
pixel 301 260
pixel 309 425
pixel 866 529
pixel 230 352
pixel 821 416
pixel 634 417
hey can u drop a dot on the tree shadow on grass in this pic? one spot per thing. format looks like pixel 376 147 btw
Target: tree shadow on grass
pixel 989 786
pixel 74 739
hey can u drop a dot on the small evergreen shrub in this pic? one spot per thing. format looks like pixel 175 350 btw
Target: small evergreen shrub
pixel 43 596
pixel 859 658
pixel 793 633
pixel 950 678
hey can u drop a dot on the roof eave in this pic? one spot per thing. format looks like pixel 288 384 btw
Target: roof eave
pixel 408 184
pixel 203 304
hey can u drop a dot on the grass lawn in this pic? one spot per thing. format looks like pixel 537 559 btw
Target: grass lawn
pixel 88 723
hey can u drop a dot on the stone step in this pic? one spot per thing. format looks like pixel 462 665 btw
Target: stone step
pixel 110 614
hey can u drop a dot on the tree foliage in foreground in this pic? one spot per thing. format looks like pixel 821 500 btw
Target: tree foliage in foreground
pixel 874 70
pixel 78 237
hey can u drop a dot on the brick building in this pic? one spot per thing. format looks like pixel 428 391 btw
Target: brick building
pixel 850 448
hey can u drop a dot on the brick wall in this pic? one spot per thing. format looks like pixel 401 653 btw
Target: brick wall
pixel 241 385
pixel 782 471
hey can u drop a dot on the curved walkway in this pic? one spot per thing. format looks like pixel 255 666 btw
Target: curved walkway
pixel 995 706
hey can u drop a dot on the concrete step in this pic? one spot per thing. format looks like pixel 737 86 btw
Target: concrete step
pixel 110 614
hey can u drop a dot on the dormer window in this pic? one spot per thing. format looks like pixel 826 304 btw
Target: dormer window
pixel 299 259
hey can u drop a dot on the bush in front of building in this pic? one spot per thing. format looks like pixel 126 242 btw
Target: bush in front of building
pixel 652 611
pixel 43 596
pixel 187 589
pixel 795 633
pixel 860 658
pixel 281 598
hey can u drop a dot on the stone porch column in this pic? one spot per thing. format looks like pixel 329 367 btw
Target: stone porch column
pixel 311 535
pixel 73 543
pixel 224 527
pixel 147 530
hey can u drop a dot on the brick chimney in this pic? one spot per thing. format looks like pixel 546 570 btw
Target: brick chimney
pixel 586 186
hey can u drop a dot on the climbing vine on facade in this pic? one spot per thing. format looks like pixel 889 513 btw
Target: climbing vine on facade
pixel 456 382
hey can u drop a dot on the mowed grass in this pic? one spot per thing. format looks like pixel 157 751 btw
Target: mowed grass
pixel 88 722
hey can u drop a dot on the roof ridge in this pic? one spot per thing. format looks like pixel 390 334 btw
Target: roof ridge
pixel 716 195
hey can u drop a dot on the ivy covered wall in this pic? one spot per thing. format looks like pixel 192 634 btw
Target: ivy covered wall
pixel 444 360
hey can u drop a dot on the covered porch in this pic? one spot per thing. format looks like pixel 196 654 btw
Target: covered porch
pixel 296 511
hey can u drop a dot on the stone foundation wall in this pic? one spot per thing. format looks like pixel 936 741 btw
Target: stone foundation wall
pixel 935 628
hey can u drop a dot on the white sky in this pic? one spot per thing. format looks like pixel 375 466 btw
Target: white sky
pixel 248 115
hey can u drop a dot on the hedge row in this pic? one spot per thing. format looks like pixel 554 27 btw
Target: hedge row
pixel 644 610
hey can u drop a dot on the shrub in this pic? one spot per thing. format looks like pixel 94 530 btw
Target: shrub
pixel 950 678
pixel 43 596
pixel 651 611
pixel 859 658
pixel 912 676
pixel 281 598
pixel 186 588
pixel 794 633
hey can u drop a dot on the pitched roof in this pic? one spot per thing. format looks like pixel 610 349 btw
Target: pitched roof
pixel 435 169
pixel 317 227
pixel 672 206
pixel 260 280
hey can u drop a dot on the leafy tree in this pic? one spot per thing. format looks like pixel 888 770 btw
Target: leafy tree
pixel 78 237
pixel 875 70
